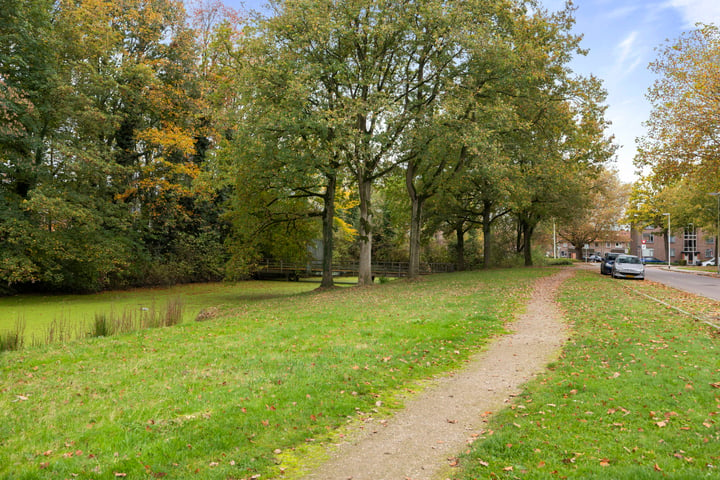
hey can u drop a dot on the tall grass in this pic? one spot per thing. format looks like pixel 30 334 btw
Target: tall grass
pixel 13 339
pixel 104 324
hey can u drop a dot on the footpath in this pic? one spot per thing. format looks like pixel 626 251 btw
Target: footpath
pixel 420 441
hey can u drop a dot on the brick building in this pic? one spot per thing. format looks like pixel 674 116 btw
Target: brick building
pixel 689 245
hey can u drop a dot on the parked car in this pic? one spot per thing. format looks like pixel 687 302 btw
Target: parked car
pixel 628 266
pixel 709 263
pixel 594 258
pixel 607 263
pixel 647 260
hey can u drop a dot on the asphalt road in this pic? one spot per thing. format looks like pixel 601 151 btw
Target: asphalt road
pixel 704 285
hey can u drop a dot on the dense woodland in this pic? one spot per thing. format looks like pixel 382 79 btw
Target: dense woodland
pixel 154 141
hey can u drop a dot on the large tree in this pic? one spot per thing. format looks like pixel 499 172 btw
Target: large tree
pixel 601 211
pixel 683 127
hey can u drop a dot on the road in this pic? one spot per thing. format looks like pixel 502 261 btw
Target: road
pixel 704 285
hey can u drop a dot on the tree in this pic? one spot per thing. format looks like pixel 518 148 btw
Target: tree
pixel 102 101
pixel 683 124
pixel 600 213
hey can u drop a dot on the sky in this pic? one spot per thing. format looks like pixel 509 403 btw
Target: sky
pixel 622 37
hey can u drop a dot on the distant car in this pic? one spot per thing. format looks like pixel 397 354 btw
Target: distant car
pixel 607 263
pixel 709 263
pixel 647 260
pixel 628 266
pixel 594 258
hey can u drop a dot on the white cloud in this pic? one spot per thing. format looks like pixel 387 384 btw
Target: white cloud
pixel 694 11
pixel 628 55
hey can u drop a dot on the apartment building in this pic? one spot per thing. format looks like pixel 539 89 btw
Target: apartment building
pixel 689 245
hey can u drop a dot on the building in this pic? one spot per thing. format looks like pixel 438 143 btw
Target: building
pixel 690 246
pixel 616 242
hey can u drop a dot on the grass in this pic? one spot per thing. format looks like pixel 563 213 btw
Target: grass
pixel 228 397
pixel 50 318
pixel 635 394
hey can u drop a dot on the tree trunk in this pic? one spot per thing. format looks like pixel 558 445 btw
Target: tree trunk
pixel 527 243
pixel 365 232
pixel 487 238
pixel 327 227
pixel 415 221
pixel 460 251
pixel 415 226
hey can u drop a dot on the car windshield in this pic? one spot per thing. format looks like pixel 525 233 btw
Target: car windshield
pixel 628 260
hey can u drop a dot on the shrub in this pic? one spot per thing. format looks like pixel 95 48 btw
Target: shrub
pixel 558 261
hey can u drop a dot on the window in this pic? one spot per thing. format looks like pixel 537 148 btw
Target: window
pixel 710 240
pixel 607 244
pixel 672 252
pixel 618 245
pixel 708 253
pixel 649 237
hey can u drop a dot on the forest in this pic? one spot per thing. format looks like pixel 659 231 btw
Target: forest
pixel 148 142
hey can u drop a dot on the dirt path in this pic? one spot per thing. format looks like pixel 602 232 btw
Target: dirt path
pixel 417 442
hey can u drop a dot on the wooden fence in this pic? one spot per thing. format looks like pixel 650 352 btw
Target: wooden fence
pixel 294 271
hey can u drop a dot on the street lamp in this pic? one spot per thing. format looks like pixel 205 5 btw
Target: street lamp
pixel 668 251
pixel 717 232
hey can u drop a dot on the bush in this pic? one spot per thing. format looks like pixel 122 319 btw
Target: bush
pixel 558 261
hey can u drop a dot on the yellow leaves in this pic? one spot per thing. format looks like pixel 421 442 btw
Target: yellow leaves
pixel 170 138
pixel 345 227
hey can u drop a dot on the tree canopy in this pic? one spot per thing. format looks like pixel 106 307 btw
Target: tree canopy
pixel 140 143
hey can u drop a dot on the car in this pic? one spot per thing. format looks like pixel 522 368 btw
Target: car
pixel 594 258
pixel 607 263
pixel 709 263
pixel 647 260
pixel 628 266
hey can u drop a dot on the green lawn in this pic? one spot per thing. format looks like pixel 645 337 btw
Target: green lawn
pixel 635 395
pixel 226 398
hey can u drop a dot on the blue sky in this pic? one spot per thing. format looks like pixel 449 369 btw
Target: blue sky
pixel 622 36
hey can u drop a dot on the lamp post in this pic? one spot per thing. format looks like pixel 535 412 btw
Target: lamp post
pixel 717 232
pixel 668 251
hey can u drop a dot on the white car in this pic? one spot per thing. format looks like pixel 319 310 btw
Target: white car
pixel 628 266
pixel 709 263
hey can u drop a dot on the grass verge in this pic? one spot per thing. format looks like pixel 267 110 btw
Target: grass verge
pixel 635 394
pixel 224 398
